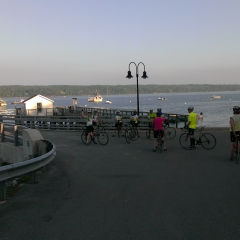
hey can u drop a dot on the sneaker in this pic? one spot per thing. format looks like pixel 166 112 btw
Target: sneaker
pixel 230 158
pixel 154 150
pixel 95 141
pixel 165 149
pixel 113 135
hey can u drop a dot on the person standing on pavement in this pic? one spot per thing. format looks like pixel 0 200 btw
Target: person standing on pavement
pixel 191 125
pixel 157 125
pixel 151 116
pixel 234 129
pixel 134 120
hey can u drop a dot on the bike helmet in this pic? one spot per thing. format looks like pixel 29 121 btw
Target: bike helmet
pixel 159 110
pixel 117 112
pixel 95 110
pixel 236 110
pixel 190 108
pixel 89 111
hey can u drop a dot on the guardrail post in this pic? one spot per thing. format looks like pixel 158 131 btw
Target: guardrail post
pixel 3 194
pixel 33 177
pixel 2 132
pixel 15 128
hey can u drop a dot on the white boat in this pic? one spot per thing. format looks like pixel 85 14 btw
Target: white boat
pixel 3 105
pixel 161 98
pixel 18 101
pixel 215 96
pixel 108 101
pixel 95 98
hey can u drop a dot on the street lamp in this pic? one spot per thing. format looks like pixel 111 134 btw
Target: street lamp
pixel 143 76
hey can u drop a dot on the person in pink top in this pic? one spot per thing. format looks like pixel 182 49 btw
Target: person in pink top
pixel 157 127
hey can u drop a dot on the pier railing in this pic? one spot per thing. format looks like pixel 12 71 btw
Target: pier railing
pixel 72 119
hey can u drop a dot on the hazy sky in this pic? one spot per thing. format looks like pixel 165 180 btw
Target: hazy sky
pixel 87 42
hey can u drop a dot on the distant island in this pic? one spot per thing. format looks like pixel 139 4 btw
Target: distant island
pixel 83 90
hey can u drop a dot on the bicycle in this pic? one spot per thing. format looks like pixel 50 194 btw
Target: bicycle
pixel 130 133
pixel 102 137
pixel 206 140
pixel 170 132
pixel 236 154
pixel 160 142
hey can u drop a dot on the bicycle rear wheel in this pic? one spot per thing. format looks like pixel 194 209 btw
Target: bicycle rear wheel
pixel 160 143
pixel 237 153
pixel 208 141
pixel 184 140
pixel 133 134
pixel 127 136
pixel 84 137
pixel 102 138
pixel 170 132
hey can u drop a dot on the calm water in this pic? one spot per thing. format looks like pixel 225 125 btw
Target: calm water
pixel 216 112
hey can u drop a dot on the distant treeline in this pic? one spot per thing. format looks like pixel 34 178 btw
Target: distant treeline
pixel 78 90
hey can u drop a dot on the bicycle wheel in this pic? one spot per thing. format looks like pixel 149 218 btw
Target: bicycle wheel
pixel 208 141
pixel 127 136
pixel 151 134
pixel 102 138
pixel 84 137
pixel 133 134
pixel 184 140
pixel 237 153
pixel 159 146
pixel 170 132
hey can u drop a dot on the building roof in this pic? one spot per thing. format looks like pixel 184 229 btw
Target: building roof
pixel 38 96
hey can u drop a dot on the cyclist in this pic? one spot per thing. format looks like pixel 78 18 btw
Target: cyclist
pixel 157 124
pixel 151 116
pixel 191 125
pixel 118 122
pixel 234 129
pixel 134 120
pixel 89 125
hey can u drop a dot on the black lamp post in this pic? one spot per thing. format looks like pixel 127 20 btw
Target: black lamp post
pixel 143 76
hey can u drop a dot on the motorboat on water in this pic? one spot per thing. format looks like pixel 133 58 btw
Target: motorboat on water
pixel 18 101
pixel 3 105
pixel 215 96
pixel 95 98
pixel 162 98
pixel 108 102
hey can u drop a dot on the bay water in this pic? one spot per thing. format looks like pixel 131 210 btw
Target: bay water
pixel 216 111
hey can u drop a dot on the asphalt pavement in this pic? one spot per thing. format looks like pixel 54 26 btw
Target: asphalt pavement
pixel 126 191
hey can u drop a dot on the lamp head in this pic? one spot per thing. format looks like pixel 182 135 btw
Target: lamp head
pixel 129 75
pixel 144 75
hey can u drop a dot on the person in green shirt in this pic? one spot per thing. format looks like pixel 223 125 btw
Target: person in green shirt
pixel 191 125
pixel 151 116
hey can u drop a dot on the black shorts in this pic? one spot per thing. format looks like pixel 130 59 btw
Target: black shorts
pixel 89 129
pixel 134 123
pixel 232 137
pixel 156 133
pixel 118 124
pixel 191 131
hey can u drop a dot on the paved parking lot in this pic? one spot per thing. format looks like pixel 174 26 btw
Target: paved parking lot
pixel 126 191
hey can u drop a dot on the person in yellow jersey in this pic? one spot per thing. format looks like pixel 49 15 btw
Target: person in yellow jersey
pixel 234 129
pixel 191 125
pixel 151 116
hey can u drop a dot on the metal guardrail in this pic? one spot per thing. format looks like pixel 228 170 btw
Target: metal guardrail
pixel 28 166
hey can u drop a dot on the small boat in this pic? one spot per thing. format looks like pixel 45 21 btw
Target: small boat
pixel 215 96
pixel 95 98
pixel 108 101
pixel 3 105
pixel 161 98
pixel 18 101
